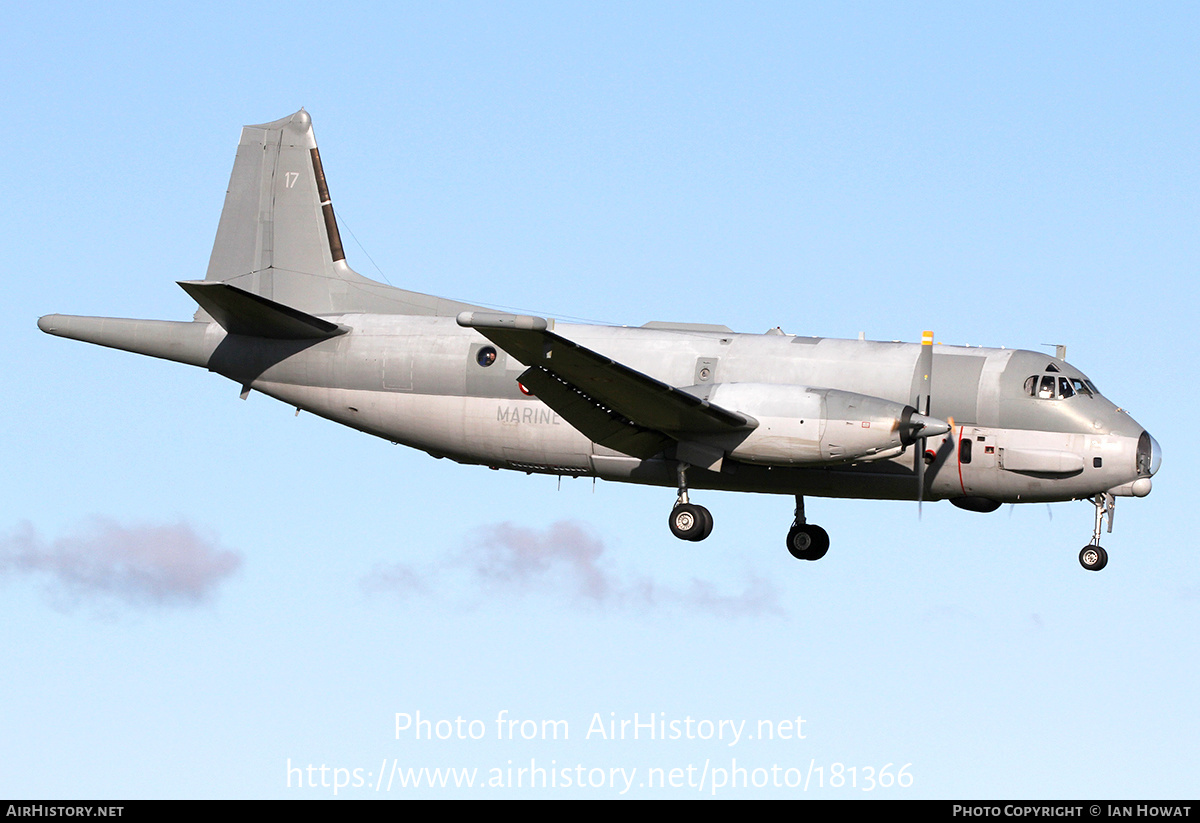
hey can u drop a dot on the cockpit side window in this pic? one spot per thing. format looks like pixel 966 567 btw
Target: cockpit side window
pixel 1064 388
pixel 1046 392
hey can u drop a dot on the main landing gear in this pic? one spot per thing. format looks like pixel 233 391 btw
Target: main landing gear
pixel 1092 557
pixel 689 521
pixel 804 541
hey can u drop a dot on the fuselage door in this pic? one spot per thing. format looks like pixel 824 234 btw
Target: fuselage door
pixel 976 458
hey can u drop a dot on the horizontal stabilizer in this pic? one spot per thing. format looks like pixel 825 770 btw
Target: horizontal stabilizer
pixel 241 312
pixel 640 404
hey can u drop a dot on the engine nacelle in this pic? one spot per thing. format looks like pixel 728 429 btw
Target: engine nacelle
pixel 802 425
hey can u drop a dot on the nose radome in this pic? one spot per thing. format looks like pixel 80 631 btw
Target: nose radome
pixel 1149 455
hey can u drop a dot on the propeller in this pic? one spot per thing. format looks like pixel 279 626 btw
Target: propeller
pixel 929 426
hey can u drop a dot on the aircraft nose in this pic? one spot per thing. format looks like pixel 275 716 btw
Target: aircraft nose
pixel 1148 459
pixel 1149 455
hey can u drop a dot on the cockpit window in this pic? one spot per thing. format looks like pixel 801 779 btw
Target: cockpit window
pixel 1057 387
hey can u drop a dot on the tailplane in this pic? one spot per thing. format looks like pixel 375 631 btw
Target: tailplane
pixel 278 237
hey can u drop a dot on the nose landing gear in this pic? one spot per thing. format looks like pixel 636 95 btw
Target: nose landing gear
pixel 1092 557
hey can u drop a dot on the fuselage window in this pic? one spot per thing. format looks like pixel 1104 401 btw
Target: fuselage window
pixel 964 451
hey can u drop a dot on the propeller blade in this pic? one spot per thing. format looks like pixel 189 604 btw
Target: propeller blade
pixel 925 373
pixel 924 426
pixel 920 478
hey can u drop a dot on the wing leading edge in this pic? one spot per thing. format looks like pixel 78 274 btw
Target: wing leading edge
pixel 615 406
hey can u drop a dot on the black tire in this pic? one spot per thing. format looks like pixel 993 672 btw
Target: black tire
pixel 798 542
pixel 688 521
pixel 820 543
pixel 807 542
pixel 1093 558
pixel 707 528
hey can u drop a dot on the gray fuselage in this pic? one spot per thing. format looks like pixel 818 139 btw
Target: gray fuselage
pixel 416 381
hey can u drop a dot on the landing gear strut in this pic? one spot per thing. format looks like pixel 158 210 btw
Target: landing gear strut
pixel 689 521
pixel 806 542
pixel 1093 557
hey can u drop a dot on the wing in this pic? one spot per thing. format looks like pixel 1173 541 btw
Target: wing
pixel 612 404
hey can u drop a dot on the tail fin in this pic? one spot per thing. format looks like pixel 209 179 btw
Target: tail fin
pixel 278 237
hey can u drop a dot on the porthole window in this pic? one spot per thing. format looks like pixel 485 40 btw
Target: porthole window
pixel 485 356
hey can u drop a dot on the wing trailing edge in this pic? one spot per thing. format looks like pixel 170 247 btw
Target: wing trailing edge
pixel 614 405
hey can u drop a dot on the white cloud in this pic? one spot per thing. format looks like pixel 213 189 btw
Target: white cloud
pixel 566 557
pixel 139 565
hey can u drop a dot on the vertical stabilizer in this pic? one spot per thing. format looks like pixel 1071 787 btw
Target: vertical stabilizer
pixel 278 237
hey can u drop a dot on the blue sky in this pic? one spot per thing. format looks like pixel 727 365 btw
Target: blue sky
pixel 198 591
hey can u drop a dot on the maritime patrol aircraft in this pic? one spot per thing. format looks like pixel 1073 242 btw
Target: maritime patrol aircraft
pixel 688 406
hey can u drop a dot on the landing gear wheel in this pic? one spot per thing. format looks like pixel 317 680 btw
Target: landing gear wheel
pixel 1093 558
pixel 691 522
pixel 807 542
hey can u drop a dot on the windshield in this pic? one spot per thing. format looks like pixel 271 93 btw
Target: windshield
pixel 1057 386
